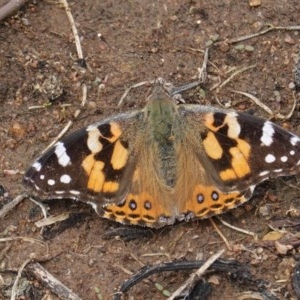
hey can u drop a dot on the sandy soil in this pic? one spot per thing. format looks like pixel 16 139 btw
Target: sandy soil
pixel 141 40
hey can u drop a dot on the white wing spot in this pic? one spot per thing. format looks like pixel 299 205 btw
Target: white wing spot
pixel 51 181
pixel 59 192
pixel 42 177
pixel 283 158
pixel 270 158
pixel 264 173
pixel 268 132
pixel 93 142
pixel 252 187
pixel 65 179
pixel 74 192
pixel 294 140
pixel 61 153
pixel 234 128
pixel 37 166
pixel 292 152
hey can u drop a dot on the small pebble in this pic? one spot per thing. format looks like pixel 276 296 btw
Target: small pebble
pixel 209 43
pixel 249 48
pixel 291 85
pixel 289 40
pixel 239 47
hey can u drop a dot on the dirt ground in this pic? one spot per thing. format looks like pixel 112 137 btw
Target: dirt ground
pixel 125 42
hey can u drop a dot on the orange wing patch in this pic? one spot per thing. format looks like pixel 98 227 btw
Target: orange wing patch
pixel 119 156
pixel 208 200
pixel 94 169
pixel 137 210
pixel 212 147
pixel 94 172
pixel 239 154
pixel 115 131
pixel 110 187
pixel 239 162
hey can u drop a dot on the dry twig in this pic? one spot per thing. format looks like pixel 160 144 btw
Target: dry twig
pixel 10 7
pixel 250 36
pixel 9 206
pixel 195 276
pixel 74 28
pixel 267 109
pixel 229 247
pixel 130 88
pixel 24 239
pixel 232 76
pixel 14 291
pixel 50 282
pixel 247 232
pixel 52 220
pixel 203 69
pixel 41 205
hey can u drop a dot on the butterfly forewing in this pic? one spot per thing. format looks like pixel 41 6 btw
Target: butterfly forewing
pixel 90 164
pixel 243 150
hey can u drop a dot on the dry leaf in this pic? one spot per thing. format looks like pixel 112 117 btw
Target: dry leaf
pixel 214 279
pixel 254 3
pixel 281 248
pixel 273 236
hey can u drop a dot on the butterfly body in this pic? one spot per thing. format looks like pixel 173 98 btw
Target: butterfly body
pixel 166 162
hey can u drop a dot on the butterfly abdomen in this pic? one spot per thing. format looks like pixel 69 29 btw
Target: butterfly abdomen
pixel 161 114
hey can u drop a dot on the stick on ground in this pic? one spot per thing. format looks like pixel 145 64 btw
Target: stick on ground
pixel 10 7
pixel 195 276
pixel 50 282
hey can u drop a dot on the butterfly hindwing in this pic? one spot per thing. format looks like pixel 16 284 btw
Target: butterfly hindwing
pixel 149 200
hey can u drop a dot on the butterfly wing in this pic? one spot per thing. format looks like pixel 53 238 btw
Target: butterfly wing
pixel 233 152
pixel 92 163
pixel 111 165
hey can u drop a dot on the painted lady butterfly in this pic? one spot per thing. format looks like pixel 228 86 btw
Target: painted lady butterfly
pixel 166 162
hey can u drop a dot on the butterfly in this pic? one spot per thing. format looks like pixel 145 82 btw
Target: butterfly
pixel 166 162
